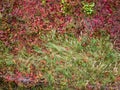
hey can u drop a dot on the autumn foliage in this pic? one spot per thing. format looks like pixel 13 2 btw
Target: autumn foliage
pixel 23 21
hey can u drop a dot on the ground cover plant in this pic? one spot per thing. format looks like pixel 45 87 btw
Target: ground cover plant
pixel 24 20
pixel 59 44
pixel 65 63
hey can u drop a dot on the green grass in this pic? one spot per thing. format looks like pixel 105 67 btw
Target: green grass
pixel 68 63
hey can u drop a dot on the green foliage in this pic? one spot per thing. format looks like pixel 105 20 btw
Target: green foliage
pixel 43 2
pixel 3 48
pixel 95 59
pixel 63 1
pixel 6 62
pixel 66 8
pixel 88 7
pixel 1 16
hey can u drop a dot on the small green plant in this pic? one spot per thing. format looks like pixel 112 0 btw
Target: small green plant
pixel 65 7
pixel 43 2
pixel 88 7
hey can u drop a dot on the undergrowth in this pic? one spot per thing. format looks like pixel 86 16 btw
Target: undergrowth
pixel 66 62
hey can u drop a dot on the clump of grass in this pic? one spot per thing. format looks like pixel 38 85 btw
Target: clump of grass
pixel 80 62
pixel 3 48
pixel 70 63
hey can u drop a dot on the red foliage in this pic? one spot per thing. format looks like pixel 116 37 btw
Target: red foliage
pixel 23 20
pixel 27 18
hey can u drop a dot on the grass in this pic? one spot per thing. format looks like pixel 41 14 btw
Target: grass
pixel 69 63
